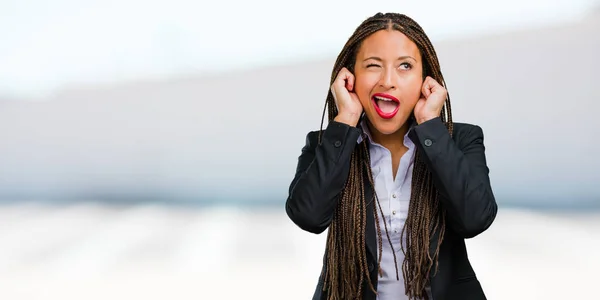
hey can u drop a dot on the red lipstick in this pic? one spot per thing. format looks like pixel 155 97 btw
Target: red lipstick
pixel 388 101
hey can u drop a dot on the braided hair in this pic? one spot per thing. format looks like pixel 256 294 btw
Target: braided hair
pixel 346 261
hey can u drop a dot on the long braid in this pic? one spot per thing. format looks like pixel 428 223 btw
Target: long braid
pixel 346 261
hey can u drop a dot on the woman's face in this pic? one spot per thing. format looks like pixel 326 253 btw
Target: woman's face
pixel 388 79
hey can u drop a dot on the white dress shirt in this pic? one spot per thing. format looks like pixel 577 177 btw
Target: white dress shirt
pixel 394 198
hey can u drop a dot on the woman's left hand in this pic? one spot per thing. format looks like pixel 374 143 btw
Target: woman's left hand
pixel 433 96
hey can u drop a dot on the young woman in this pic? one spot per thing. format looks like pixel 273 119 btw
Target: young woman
pixel 396 182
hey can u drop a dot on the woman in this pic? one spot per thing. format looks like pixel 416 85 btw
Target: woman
pixel 396 182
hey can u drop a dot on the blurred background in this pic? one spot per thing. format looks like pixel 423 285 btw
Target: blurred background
pixel 147 146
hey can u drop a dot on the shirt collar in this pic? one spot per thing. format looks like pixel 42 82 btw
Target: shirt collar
pixel 366 134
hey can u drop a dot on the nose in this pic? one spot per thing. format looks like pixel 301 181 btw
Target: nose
pixel 387 79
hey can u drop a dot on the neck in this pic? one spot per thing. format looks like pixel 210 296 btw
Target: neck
pixel 392 142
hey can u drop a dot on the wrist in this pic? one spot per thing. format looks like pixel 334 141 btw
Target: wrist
pixel 423 119
pixel 348 119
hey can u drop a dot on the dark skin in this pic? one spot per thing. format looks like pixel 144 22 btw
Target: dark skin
pixel 396 149
pixel 388 62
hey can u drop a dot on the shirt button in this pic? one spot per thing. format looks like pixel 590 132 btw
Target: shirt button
pixel 393 195
pixel 393 212
pixel 337 144
pixel 428 142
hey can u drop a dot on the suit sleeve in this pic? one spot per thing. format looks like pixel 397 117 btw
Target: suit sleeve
pixel 321 174
pixel 460 174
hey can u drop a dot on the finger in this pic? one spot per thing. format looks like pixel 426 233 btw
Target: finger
pixel 339 83
pixel 436 87
pixel 350 82
pixel 344 79
pixel 341 77
pixel 343 74
pixel 425 89
pixel 431 86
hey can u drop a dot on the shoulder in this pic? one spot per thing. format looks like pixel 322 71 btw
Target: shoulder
pixel 312 140
pixel 437 129
pixel 312 137
pixel 466 129
pixel 336 133
pixel 467 133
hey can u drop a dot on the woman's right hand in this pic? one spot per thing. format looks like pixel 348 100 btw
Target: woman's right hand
pixel 346 100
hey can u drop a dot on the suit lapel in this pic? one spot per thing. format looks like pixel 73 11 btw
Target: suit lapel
pixel 370 231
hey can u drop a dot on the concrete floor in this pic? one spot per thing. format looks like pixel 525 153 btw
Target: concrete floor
pixel 90 251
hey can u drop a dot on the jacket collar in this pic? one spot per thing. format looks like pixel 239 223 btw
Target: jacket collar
pixel 365 134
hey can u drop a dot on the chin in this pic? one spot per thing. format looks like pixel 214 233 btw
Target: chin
pixel 388 126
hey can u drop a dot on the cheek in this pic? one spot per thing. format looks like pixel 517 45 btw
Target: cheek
pixel 363 87
pixel 412 91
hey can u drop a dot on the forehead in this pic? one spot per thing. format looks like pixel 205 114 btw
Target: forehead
pixel 388 43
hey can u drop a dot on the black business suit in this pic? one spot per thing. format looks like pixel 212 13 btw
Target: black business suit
pixel 460 174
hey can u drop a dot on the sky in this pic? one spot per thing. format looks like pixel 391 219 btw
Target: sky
pixel 46 45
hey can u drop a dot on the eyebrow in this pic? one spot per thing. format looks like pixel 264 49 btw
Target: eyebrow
pixel 399 58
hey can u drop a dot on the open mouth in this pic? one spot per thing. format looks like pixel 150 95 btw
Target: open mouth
pixel 386 105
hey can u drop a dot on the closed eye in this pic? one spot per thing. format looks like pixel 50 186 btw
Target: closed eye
pixel 372 65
